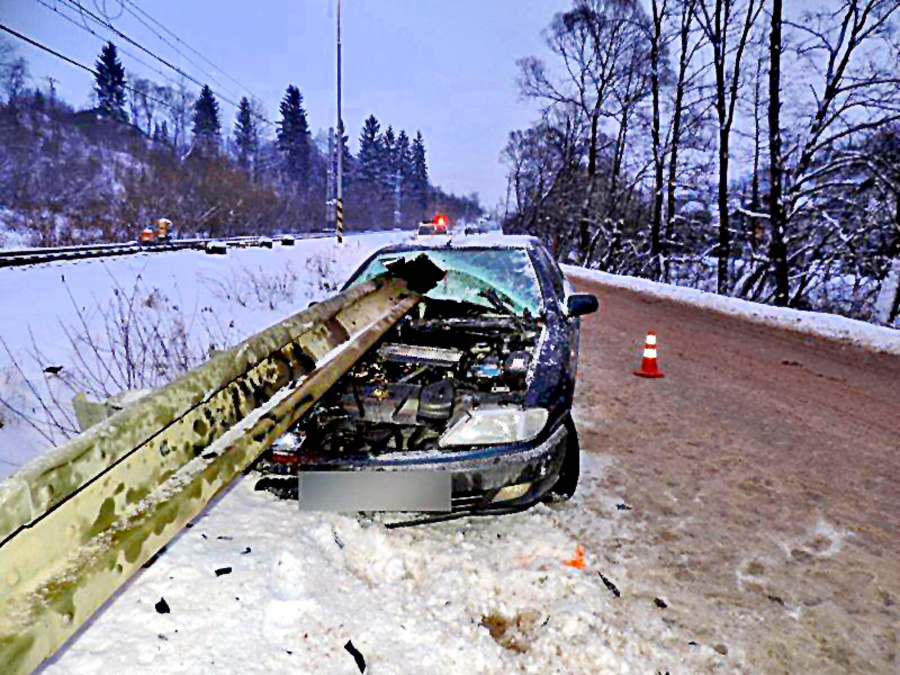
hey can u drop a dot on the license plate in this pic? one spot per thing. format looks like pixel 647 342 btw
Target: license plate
pixel 375 491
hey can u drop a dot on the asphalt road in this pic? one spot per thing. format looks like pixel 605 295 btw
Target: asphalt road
pixel 763 476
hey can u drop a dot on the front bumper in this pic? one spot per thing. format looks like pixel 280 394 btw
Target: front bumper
pixel 478 474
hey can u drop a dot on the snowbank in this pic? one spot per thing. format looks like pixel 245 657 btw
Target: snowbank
pixel 868 336
pixel 256 586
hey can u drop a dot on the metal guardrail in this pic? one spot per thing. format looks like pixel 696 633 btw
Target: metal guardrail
pixel 76 523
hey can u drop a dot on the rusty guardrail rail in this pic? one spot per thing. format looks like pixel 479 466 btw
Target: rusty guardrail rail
pixel 76 523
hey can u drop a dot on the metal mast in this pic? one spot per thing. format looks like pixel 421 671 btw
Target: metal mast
pixel 339 205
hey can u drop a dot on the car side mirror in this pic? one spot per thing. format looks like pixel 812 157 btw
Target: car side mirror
pixel 582 303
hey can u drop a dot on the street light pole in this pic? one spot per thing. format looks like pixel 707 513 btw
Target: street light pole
pixel 339 203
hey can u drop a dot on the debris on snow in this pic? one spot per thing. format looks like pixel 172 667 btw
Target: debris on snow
pixel 223 570
pixel 162 606
pixel 610 585
pixel 357 656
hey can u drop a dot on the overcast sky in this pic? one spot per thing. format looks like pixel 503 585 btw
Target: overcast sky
pixel 445 67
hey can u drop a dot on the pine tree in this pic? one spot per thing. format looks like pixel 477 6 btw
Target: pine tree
pixel 369 151
pixel 164 133
pixel 348 163
pixel 207 128
pixel 419 177
pixel 293 136
pixel 110 87
pixel 246 137
pixel 404 164
pixel 388 161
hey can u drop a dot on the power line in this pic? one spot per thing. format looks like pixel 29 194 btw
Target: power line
pixel 46 49
pixel 84 27
pixel 77 4
pixel 79 65
pixel 177 51
pixel 178 39
pixel 97 19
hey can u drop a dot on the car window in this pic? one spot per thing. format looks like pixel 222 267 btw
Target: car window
pixel 472 272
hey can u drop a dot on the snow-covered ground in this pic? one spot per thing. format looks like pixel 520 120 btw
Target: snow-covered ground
pixel 491 595
pixel 48 311
pixel 877 338
pixel 255 585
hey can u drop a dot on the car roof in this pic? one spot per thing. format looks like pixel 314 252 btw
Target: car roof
pixel 451 242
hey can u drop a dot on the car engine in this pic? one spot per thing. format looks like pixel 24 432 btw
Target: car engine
pixel 441 360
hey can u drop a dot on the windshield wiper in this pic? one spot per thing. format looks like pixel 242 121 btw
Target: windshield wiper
pixel 494 298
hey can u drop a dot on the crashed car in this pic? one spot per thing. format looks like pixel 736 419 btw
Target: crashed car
pixel 477 381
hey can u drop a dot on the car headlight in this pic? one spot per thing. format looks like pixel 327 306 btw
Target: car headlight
pixel 495 427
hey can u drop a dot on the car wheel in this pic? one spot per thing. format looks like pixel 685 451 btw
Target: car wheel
pixel 571 467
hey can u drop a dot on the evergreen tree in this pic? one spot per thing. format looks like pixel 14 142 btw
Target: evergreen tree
pixel 206 122
pixel 419 177
pixel 246 137
pixel 164 133
pixel 293 136
pixel 403 156
pixel 388 157
pixel 404 164
pixel 110 87
pixel 348 165
pixel 369 151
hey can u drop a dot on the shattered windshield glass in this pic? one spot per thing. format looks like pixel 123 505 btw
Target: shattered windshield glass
pixel 499 279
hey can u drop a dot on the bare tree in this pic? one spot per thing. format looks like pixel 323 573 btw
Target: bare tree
pixel 590 41
pixel 727 25
pixel 15 73
pixel 853 54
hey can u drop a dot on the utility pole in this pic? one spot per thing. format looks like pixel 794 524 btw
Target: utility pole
pixel 329 191
pixel 339 203
pixel 397 200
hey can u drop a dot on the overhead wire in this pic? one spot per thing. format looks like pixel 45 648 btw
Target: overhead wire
pixel 86 28
pixel 209 75
pixel 178 39
pixel 77 4
pixel 73 62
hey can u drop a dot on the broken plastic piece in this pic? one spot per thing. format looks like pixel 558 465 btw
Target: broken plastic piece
pixel 578 561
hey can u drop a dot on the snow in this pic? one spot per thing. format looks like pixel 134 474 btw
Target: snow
pixel 413 600
pixel 255 585
pixel 830 326
pixel 219 300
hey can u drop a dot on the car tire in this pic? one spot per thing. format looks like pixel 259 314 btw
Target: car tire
pixel 565 485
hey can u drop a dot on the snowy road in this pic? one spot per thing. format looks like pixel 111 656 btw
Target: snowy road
pixel 763 473
pixel 752 492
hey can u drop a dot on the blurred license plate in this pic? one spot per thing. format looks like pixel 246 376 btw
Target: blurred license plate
pixel 375 491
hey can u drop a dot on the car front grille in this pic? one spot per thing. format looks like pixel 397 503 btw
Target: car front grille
pixel 469 500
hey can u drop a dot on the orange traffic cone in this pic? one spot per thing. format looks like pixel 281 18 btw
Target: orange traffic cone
pixel 648 363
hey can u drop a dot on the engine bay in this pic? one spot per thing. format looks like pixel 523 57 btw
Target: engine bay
pixel 440 361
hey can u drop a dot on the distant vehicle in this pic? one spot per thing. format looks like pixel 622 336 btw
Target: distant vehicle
pixel 265 242
pixel 438 226
pixel 287 240
pixel 159 232
pixel 477 228
pixel 477 382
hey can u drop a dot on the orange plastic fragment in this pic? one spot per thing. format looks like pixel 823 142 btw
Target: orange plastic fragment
pixel 578 561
